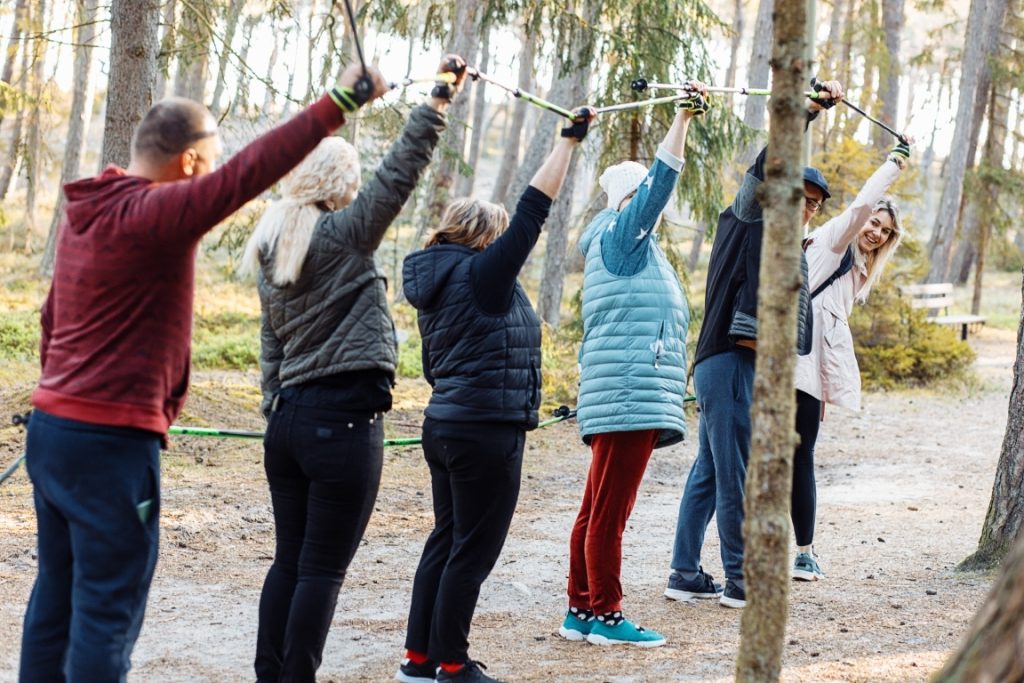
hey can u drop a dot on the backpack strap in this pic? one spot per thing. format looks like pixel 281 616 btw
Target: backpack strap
pixel 845 266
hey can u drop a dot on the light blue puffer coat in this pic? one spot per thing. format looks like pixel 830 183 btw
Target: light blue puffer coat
pixel 635 319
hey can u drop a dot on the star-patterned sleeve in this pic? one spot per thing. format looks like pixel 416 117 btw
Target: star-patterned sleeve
pixel 626 240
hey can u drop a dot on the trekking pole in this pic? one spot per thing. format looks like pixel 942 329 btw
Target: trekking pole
pixel 478 75
pixel 19 420
pixel 448 78
pixel 180 430
pixel 639 104
pixel 641 84
pixel 898 135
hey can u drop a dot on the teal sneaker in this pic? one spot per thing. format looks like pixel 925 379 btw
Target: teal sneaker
pixel 577 625
pixel 624 633
pixel 806 568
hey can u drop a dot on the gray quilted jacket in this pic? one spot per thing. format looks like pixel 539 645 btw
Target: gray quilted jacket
pixel 335 318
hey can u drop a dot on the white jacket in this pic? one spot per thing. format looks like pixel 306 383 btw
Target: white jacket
pixel 830 372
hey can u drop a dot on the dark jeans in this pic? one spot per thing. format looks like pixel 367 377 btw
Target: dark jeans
pixel 97 499
pixel 805 497
pixel 324 467
pixel 474 471
pixel 725 387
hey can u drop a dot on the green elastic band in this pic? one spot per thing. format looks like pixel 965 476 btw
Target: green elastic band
pixel 342 97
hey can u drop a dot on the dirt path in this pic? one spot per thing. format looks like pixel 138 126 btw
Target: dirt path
pixel 903 488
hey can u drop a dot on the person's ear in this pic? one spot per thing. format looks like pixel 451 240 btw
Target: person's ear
pixel 188 162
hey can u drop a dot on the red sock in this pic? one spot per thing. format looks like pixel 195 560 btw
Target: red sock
pixel 452 667
pixel 415 657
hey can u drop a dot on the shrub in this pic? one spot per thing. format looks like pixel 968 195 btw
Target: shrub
pixel 19 335
pixel 226 341
pixel 896 345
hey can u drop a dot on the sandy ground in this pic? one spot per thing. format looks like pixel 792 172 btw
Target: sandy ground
pixel 903 488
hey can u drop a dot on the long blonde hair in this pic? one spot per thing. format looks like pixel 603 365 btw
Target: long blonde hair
pixel 328 177
pixel 876 260
pixel 472 223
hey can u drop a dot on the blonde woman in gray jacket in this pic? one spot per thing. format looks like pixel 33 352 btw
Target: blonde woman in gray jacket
pixel 328 359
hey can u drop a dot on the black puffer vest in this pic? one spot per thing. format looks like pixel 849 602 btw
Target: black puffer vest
pixel 483 367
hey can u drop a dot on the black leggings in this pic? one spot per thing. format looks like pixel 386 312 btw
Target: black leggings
pixel 804 497
pixel 474 472
pixel 323 465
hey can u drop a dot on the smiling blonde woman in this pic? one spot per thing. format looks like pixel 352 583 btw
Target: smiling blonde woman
pixel 846 257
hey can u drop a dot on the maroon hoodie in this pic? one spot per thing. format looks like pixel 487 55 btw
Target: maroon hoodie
pixel 117 324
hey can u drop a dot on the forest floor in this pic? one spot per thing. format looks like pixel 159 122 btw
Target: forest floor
pixel 903 489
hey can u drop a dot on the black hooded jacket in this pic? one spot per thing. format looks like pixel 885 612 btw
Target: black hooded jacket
pixel 481 336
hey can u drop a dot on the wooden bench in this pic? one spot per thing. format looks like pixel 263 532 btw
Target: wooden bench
pixel 939 297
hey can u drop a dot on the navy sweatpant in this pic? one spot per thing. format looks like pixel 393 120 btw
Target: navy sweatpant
pixel 97 499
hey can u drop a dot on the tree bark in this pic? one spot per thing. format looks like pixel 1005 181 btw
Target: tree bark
pixel 766 527
pixel 734 45
pixel 240 101
pixel 194 56
pixel 34 139
pixel 234 10
pixel 579 42
pixel 11 54
pixel 78 123
pixel 510 161
pixel 16 149
pixel 464 183
pixel 760 53
pixel 889 85
pixel 982 25
pixel 1006 507
pixel 133 51
pixel 167 47
pixel 463 42
pixel 992 651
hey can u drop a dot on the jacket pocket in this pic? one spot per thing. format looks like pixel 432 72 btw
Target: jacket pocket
pixel 658 347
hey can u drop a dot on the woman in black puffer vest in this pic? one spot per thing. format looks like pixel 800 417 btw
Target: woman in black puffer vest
pixel 481 355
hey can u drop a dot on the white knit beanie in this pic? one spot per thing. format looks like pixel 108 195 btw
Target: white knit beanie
pixel 619 180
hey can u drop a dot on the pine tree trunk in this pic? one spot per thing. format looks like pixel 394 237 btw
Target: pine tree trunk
pixel 240 102
pixel 194 55
pixel 766 526
pixel 11 54
pixel 889 86
pixel 757 71
pixel 34 139
pixel 234 10
pixel 698 243
pixel 510 161
pixel 581 45
pixel 16 149
pixel 268 97
pixel 167 48
pixel 464 183
pixel 1005 515
pixel 463 42
pixel 993 651
pixel 982 26
pixel 133 52
pixel 734 45
pixel 78 124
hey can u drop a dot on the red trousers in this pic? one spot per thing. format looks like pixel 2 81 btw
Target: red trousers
pixel 595 549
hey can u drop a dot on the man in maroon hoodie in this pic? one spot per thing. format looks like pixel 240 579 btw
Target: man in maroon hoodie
pixel 115 355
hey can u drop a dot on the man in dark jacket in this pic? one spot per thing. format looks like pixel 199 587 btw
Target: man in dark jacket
pixel 115 356
pixel 724 382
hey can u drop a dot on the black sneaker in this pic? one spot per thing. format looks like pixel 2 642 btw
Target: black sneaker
pixel 410 672
pixel 470 673
pixel 734 596
pixel 702 586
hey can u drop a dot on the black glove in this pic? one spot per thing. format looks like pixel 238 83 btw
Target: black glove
pixel 580 125
pixel 823 102
pixel 696 104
